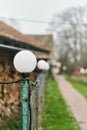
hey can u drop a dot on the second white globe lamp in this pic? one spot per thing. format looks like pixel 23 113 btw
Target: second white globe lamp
pixel 43 65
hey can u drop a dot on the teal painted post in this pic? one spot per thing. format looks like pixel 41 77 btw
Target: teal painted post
pixel 25 105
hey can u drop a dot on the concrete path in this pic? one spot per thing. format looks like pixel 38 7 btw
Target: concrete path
pixel 76 102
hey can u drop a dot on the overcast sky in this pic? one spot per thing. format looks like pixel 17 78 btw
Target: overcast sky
pixel 34 10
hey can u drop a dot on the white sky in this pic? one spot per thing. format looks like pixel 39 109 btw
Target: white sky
pixel 39 10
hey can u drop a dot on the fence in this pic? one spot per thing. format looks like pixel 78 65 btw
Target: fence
pixel 12 108
pixel 37 100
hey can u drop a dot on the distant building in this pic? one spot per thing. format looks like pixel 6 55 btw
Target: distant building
pixel 46 40
pixel 76 71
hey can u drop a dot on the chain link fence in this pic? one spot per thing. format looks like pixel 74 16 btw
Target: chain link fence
pixel 37 100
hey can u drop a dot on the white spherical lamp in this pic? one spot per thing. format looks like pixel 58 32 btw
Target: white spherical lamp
pixel 47 67
pixel 42 65
pixel 25 61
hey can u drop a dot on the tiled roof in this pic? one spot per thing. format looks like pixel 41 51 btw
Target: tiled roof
pixel 42 56
pixel 45 39
pixel 9 32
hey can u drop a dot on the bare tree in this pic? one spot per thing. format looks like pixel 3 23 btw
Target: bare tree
pixel 71 29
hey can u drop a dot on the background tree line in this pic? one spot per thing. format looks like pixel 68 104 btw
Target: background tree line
pixel 70 27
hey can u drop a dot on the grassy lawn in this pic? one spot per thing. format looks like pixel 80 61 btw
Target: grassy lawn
pixel 56 115
pixel 80 85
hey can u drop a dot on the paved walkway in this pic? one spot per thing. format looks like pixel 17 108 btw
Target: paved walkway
pixel 75 101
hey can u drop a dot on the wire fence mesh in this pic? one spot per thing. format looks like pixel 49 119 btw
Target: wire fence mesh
pixel 37 99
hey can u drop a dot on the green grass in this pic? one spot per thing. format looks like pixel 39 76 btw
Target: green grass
pixel 81 87
pixel 56 114
pixel 81 80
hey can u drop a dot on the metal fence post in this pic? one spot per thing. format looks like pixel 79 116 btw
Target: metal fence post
pixel 25 105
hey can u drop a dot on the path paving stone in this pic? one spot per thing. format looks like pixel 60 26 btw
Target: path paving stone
pixel 76 102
